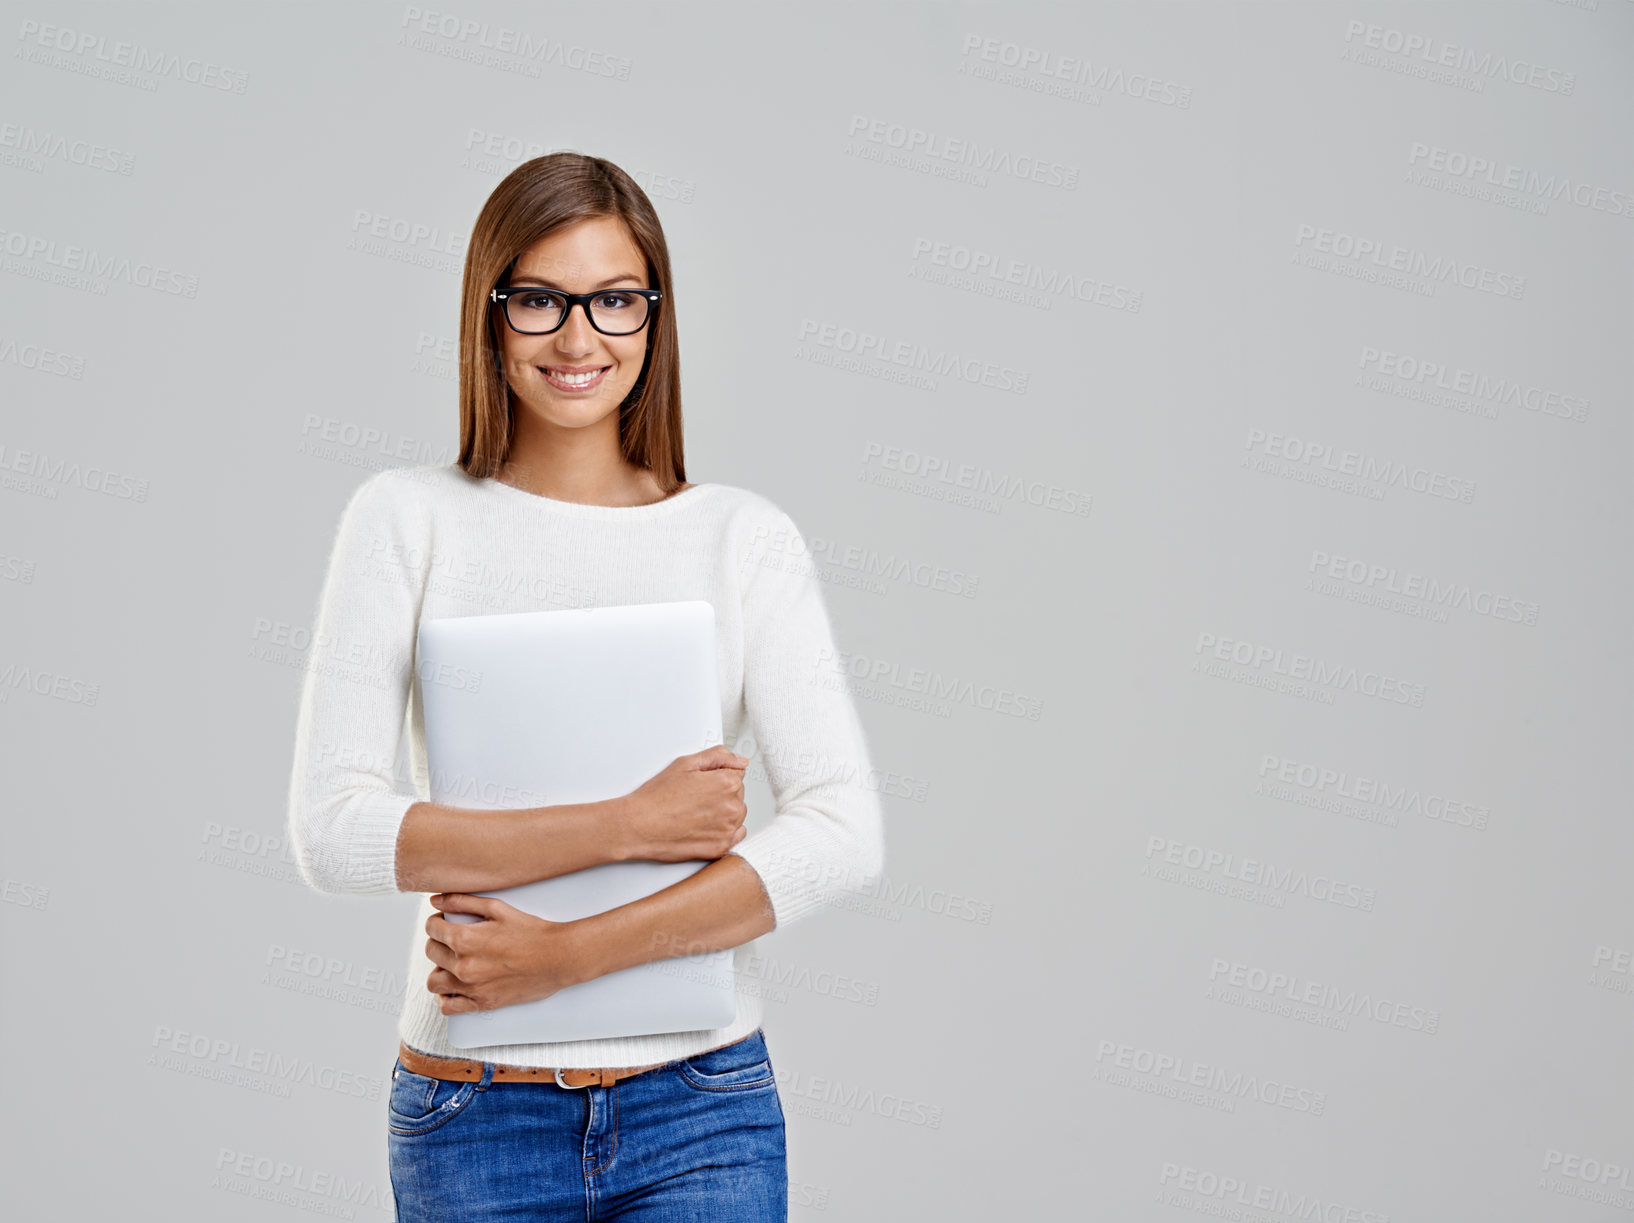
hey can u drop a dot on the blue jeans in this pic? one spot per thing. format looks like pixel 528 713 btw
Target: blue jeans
pixel 699 1138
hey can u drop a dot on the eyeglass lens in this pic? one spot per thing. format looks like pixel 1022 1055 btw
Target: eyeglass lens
pixel 537 310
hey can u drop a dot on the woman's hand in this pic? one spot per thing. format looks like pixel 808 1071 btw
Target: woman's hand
pixel 693 809
pixel 508 958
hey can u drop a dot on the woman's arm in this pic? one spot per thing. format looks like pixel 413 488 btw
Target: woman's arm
pixel 513 957
pixel 352 830
pixel 721 906
pixel 344 805
pixel 692 809
pixel 826 840
pixel 464 849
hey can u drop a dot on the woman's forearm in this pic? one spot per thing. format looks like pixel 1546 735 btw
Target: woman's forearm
pixel 723 905
pixel 463 849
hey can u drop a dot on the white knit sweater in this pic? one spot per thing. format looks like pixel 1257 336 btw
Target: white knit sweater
pixel 434 541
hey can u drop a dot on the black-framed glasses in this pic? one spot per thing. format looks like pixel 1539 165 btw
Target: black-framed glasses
pixel 532 311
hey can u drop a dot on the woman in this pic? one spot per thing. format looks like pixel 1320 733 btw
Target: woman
pixel 570 490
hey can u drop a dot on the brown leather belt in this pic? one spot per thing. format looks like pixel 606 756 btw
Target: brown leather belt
pixel 468 1070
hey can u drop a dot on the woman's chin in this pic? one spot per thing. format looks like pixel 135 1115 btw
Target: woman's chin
pixel 574 412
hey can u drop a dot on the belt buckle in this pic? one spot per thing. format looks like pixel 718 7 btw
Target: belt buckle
pixel 571 1086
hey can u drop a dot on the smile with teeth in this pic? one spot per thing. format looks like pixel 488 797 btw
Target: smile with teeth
pixel 573 382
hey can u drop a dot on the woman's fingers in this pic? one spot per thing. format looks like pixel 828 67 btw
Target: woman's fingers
pixel 719 757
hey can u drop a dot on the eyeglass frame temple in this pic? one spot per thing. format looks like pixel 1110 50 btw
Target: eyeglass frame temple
pixel 499 296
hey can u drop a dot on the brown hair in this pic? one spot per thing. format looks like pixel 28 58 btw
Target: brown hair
pixel 532 201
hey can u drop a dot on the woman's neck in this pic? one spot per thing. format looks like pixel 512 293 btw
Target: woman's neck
pixel 624 486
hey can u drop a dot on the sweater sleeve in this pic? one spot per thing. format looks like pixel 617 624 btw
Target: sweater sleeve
pixel 827 837
pixel 344 808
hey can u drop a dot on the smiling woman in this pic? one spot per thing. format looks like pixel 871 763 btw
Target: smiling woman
pixel 568 355
pixel 571 491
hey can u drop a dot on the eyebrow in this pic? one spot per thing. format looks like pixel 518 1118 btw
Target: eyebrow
pixel 535 280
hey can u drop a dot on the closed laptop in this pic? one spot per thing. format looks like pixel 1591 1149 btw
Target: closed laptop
pixel 533 709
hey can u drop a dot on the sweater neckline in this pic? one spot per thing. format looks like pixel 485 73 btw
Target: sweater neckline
pixel 580 509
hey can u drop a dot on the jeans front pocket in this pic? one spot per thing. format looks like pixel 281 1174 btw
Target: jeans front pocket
pixel 419 1104
pixel 744 1065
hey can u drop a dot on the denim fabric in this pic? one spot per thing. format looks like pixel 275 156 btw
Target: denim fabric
pixel 699 1138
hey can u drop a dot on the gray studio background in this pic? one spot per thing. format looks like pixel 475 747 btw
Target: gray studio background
pixel 1212 421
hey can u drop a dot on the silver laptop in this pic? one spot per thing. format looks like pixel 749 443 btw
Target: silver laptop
pixel 534 709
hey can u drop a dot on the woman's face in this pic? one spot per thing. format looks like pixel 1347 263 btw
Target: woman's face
pixel 585 257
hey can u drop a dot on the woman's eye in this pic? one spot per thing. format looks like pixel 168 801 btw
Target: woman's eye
pixel 614 301
pixel 541 301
